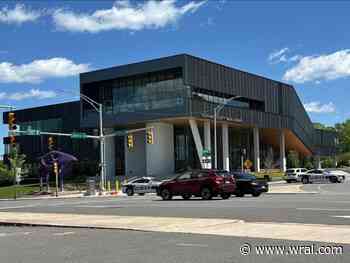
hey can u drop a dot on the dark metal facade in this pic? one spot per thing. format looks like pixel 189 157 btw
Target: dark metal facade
pixel 35 146
pixel 282 106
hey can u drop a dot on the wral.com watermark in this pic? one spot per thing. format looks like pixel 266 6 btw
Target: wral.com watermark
pixel 291 250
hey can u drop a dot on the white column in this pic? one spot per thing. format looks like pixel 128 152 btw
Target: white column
pixel 197 139
pixel 283 159
pixel 160 155
pixel 225 148
pixel 135 158
pixel 207 141
pixel 109 150
pixel 256 149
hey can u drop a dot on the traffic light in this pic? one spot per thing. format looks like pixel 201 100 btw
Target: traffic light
pixel 55 168
pixel 13 141
pixel 50 143
pixel 130 141
pixel 149 136
pixel 12 121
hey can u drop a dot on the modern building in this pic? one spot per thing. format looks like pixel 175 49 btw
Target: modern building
pixel 176 97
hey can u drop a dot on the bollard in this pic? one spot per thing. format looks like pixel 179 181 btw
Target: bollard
pixel 116 186
pixel 109 186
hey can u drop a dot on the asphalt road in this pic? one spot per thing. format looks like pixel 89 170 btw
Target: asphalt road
pixel 57 245
pixel 331 206
pixel 40 244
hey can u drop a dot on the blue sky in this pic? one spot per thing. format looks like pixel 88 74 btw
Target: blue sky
pixel 44 46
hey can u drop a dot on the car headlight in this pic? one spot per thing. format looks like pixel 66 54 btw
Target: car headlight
pixel 254 183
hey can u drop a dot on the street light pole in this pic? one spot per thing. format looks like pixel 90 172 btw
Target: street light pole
pixel 99 108
pixel 217 110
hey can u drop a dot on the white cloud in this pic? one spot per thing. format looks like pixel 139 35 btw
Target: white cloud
pixel 278 55
pixel 317 107
pixel 18 15
pixel 323 67
pixel 31 94
pixel 38 70
pixel 281 55
pixel 125 16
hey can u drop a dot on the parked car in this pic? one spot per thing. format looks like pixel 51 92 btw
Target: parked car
pixel 321 176
pixel 141 186
pixel 247 183
pixel 199 183
pixel 294 174
pixel 337 176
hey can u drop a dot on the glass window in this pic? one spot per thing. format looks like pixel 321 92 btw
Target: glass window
pixel 185 176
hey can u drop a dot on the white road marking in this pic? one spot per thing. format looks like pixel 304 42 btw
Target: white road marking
pixel 191 245
pixel 15 234
pixel 98 206
pixel 342 216
pixel 63 234
pixel 16 207
pixel 323 209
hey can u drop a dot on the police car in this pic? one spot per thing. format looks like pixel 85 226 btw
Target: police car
pixel 141 186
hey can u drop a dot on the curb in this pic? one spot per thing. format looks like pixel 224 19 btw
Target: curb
pixel 62 197
pixel 291 193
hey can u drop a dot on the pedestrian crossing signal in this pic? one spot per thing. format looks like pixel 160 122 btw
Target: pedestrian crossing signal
pixel 50 143
pixel 150 136
pixel 130 141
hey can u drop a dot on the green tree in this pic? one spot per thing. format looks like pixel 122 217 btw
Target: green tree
pixel 293 159
pixel 328 163
pixel 343 130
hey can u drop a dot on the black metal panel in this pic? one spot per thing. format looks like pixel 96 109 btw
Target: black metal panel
pixel 133 69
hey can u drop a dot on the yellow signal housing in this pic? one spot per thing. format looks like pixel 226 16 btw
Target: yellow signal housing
pixel 55 168
pixel 13 141
pixel 130 141
pixel 12 121
pixel 150 136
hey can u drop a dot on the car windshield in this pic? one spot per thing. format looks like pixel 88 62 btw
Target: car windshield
pixel 290 171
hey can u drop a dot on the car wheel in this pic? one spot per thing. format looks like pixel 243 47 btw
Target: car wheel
pixel 166 194
pixel 341 179
pixel 225 196
pixel 239 194
pixel 130 191
pixel 305 180
pixel 141 194
pixel 206 193
pixel 288 181
pixel 186 196
pixel 256 194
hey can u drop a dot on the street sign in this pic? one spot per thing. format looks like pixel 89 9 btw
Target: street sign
pixel 18 175
pixel 248 164
pixel 206 153
pixel 206 159
pixel 78 135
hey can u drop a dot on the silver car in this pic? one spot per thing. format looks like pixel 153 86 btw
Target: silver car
pixel 294 174
pixel 141 186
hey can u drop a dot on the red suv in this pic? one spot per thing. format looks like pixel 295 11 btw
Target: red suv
pixel 200 183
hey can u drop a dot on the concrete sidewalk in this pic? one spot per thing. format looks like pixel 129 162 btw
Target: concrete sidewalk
pixel 339 234
pixel 288 189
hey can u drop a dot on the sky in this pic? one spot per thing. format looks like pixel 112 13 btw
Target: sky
pixel 46 44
